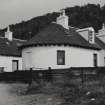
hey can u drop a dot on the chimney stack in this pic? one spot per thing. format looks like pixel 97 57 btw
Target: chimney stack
pixel 101 33
pixel 63 19
pixel 8 34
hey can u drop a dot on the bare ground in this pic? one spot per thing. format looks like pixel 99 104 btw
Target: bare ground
pixel 90 93
pixel 13 94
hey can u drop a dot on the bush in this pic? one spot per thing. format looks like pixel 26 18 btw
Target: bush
pixel 70 93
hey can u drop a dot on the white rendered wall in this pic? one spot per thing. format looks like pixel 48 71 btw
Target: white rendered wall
pixel 84 34
pixel 101 34
pixel 102 57
pixel 6 62
pixel 101 37
pixel 44 57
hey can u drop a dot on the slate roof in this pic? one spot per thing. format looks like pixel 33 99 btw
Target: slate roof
pixel 100 43
pixel 55 34
pixel 10 48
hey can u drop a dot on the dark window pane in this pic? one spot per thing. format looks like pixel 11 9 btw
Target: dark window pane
pixel 60 57
pixel 95 59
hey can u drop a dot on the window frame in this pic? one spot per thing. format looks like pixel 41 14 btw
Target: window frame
pixel 90 36
pixel 95 59
pixel 62 57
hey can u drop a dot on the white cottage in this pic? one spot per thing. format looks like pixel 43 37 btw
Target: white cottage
pixel 10 56
pixel 61 46
pixel 101 40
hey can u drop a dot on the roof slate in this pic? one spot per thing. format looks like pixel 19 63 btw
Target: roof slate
pixel 10 48
pixel 100 43
pixel 55 34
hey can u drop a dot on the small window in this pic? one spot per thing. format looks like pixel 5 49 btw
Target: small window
pixel 95 60
pixel 60 57
pixel 90 36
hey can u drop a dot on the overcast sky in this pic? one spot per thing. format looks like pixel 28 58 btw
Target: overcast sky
pixel 15 11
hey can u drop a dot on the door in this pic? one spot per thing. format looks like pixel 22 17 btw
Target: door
pixel 15 65
pixel 28 60
pixel 104 61
pixel 95 60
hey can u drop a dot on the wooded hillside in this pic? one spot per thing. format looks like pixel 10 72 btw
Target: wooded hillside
pixel 79 16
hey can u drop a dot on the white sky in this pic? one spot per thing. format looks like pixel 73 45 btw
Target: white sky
pixel 14 11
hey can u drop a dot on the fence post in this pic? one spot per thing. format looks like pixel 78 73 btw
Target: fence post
pixel 30 77
pixel 49 68
pixel 82 76
pixel 49 75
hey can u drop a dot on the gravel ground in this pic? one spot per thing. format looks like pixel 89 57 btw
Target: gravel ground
pixel 13 94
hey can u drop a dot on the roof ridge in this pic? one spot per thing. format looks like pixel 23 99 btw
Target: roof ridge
pixel 19 39
pixel 83 29
pixel 14 39
pixel 2 37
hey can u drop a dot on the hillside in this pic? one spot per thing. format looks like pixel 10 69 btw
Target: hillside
pixel 79 16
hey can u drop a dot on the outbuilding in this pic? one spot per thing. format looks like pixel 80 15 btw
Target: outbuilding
pixel 10 56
